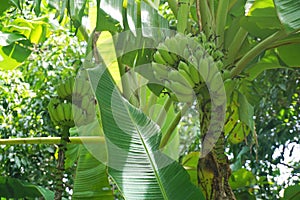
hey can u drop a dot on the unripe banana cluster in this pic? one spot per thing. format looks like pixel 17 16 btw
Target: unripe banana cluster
pixel 185 67
pixel 61 112
pixel 75 102
pixel 211 48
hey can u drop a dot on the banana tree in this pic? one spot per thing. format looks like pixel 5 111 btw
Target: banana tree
pixel 217 41
pixel 254 36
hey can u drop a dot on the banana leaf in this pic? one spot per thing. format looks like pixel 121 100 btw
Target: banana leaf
pixel 288 12
pixel 135 163
pixel 91 178
pixel 91 181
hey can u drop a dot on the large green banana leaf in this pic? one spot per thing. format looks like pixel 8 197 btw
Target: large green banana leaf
pixel 288 12
pixel 135 163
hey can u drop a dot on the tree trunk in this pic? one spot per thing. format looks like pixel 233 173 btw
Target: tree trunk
pixel 213 169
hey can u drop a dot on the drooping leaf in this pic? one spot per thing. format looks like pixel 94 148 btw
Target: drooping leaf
pixel 15 188
pixel 289 14
pixel 290 54
pixel 135 163
pixel 91 181
pixel 236 129
pixel 269 61
pixel 263 13
pixel 246 111
pixel 262 19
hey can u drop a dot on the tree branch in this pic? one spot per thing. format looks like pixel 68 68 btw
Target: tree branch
pixel 52 140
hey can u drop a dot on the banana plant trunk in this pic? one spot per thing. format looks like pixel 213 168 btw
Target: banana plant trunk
pixel 213 169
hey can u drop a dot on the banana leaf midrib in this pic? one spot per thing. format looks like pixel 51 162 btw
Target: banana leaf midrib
pixel 150 159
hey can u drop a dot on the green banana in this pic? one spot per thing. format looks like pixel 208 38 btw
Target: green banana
pixel 181 92
pixel 53 114
pixel 161 71
pixel 199 54
pixel 203 68
pixel 78 87
pixel 164 52
pixel 87 88
pixel 182 65
pixel 69 86
pixel 171 43
pixel 176 76
pixel 180 43
pixel 194 74
pixel 60 112
pixel 85 102
pixel 174 56
pixel 212 70
pixel 158 58
pixel 186 53
pixel 216 82
pixel 75 112
pixel 91 108
pixel 177 87
pixel 61 91
pixel 183 15
pixel 82 87
pixel 187 77
pixel 68 111
pixel 53 103
pixel 193 60
pixel 202 36
pixel 78 115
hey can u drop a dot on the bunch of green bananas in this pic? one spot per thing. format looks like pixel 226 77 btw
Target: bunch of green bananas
pixel 75 102
pixel 70 88
pixel 185 67
pixel 61 112
pixel 211 48
pixel 65 89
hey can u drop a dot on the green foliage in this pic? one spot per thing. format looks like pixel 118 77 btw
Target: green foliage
pixel 137 155
pixel 91 174
pixel 288 13
pixel 14 188
pixel 25 93
pixel 263 107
